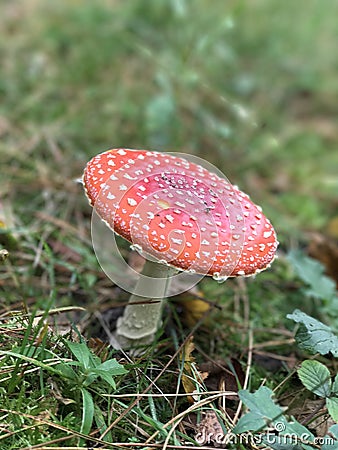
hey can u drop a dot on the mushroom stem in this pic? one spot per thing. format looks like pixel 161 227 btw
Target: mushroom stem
pixel 142 316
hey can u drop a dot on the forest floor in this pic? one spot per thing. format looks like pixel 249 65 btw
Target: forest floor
pixel 251 87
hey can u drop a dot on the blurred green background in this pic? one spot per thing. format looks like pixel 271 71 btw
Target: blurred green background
pixel 251 86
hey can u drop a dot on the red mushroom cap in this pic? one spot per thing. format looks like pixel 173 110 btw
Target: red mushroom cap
pixel 180 213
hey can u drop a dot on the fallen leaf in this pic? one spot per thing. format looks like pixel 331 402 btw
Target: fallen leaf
pixel 209 430
pixel 191 376
pixel 193 307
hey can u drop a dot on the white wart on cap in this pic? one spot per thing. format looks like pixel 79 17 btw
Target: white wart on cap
pixel 180 213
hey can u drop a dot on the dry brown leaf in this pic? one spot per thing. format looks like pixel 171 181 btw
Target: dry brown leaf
pixel 210 431
pixel 194 308
pixel 187 350
pixel 191 375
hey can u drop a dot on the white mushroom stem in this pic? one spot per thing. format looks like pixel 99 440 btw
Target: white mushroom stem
pixel 142 316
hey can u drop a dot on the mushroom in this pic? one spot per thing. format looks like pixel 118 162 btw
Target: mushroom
pixel 183 218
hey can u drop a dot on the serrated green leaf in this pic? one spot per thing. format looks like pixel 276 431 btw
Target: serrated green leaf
pixel 315 377
pixel 314 336
pixel 261 403
pixel 332 406
pixel 264 411
pixel 87 411
pixel 307 269
pixel 251 421
pixel 311 272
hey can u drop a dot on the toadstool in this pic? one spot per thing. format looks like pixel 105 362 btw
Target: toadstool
pixel 183 217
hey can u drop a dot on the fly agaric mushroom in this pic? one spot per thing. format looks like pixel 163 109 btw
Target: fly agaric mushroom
pixel 183 215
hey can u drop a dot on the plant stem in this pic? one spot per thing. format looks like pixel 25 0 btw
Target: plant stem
pixel 142 316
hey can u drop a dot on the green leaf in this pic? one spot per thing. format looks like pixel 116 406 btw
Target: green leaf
pixel 101 424
pixel 108 378
pixel 314 336
pixel 335 385
pixel 87 411
pixel 265 412
pixel 66 370
pixel 315 377
pixel 111 366
pixel 332 406
pixel 108 369
pixel 311 272
pixel 53 370
pixel 80 351
pixel 83 354
pixel 261 404
pixel 251 421
pixel 90 378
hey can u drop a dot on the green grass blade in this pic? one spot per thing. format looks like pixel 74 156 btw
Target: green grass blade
pixel 87 411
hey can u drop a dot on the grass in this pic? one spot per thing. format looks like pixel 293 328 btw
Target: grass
pixel 248 86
